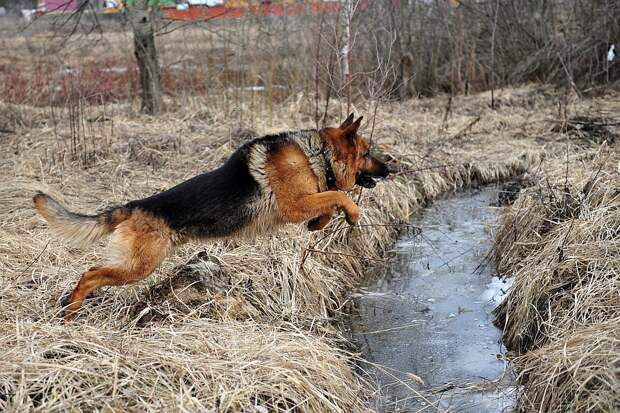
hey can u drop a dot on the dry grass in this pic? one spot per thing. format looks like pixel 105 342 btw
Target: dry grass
pixel 562 316
pixel 576 372
pixel 221 64
pixel 202 365
pixel 245 325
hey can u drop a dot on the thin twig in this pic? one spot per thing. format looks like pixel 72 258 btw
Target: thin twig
pixel 35 260
pixel 413 171
pixel 466 129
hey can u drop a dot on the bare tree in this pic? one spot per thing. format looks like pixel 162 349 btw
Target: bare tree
pixel 346 50
pixel 141 18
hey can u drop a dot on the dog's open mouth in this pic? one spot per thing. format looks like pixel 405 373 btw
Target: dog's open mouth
pixel 369 178
pixel 366 180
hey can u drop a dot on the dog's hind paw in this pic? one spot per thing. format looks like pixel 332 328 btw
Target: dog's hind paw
pixel 65 300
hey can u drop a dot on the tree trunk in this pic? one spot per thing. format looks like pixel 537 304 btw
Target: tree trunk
pixel 141 20
pixel 346 50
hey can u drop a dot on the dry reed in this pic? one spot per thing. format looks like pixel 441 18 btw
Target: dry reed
pixel 561 318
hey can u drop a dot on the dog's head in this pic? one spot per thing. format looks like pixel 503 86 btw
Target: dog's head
pixel 352 162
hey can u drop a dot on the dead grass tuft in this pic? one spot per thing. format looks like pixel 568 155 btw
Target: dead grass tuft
pixel 200 366
pixel 561 318
pixel 577 372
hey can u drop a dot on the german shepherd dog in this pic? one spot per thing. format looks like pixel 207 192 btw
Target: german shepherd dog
pixel 290 177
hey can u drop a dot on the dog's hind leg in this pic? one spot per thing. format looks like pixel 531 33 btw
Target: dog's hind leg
pixel 90 281
pixel 138 245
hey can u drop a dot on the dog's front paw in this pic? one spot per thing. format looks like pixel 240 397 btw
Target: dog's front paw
pixel 353 216
pixel 65 304
pixel 69 315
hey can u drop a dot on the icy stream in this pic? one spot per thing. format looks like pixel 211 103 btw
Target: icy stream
pixel 426 324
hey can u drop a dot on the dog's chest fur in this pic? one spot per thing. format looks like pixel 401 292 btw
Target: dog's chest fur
pixel 266 214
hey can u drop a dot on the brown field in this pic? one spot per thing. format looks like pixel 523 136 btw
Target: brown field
pixel 258 325
pixel 218 66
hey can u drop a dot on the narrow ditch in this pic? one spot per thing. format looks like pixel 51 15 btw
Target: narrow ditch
pixel 425 325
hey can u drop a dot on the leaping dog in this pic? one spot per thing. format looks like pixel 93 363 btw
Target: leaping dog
pixel 290 177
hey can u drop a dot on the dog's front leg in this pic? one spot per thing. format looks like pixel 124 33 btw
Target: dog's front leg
pixel 316 205
pixel 320 222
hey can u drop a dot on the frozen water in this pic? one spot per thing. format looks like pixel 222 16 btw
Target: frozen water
pixel 430 315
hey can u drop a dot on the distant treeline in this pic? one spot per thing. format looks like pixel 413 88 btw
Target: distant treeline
pixel 468 46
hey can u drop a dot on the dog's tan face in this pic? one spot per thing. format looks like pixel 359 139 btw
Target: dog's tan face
pixel 352 162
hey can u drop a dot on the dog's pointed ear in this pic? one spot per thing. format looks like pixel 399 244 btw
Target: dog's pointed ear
pixel 350 132
pixel 347 122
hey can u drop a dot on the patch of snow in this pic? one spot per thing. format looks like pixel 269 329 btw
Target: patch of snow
pixel 497 289
pixel 28 14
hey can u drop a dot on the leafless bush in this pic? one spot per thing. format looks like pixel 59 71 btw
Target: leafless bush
pixel 495 42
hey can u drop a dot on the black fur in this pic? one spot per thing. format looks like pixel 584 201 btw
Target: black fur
pixel 212 204
pixel 215 203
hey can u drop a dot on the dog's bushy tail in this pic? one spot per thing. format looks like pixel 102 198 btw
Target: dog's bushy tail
pixel 78 227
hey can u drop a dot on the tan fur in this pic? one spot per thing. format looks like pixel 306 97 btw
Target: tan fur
pixel 344 158
pixel 265 209
pixel 312 143
pixel 75 228
pixel 138 247
pixel 295 187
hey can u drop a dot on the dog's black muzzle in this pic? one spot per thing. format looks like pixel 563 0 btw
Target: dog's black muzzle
pixel 367 179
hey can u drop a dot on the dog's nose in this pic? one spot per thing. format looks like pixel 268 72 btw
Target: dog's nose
pixel 384 170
